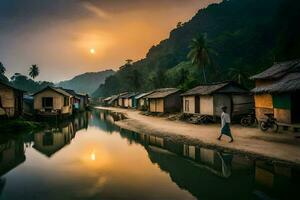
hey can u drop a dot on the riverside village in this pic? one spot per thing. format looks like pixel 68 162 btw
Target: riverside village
pixel 210 111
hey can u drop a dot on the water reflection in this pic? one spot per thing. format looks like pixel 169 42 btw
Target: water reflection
pixel 90 157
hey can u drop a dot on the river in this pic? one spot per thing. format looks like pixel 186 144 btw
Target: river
pixel 89 157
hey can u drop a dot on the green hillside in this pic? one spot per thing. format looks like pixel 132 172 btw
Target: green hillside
pixel 247 36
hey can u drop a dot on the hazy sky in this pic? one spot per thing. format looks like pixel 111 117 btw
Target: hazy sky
pixel 59 34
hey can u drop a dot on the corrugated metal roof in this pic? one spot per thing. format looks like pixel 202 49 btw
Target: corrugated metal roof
pixel 289 83
pixel 278 70
pixel 161 93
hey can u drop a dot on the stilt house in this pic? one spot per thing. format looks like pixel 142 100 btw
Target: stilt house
pixel 11 100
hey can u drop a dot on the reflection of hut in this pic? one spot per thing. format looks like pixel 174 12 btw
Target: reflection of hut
pixel 50 142
pixel 276 179
pixel 278 92
pixel 164 100
pixel 11 100
pixel 208 99
pixel 199 179
pixel 11 155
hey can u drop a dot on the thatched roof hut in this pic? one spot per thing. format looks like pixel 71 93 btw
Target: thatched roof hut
pixel 277 91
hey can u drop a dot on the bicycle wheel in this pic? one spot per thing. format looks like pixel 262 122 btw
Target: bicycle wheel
pixel 263 126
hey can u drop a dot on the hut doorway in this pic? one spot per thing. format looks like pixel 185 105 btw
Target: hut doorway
pixel 197 104
pixel 295 107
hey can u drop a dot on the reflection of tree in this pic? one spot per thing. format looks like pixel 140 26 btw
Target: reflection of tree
pixel 103 120
pixel 12 154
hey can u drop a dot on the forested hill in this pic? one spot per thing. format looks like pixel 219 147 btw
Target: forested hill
pixel 87 82
pixel 246 35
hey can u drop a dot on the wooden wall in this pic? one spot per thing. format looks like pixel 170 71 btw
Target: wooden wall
pixel 126 103
pixel 191 107
pixel 173 103
pixel 206 105
pixel 120 102
pixel 156 105
pixel 130 102
pixel 11 101
pixel 220 100
pixel 242 104
pixel 263 105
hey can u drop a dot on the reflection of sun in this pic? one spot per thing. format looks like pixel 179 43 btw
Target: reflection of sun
pixel 92 51
pixel 93 156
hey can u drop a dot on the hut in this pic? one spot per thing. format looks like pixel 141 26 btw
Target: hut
pixel 141 101
pixel 208 99
pixel 113 101
pixel 11 100
pixel 84 101
pixel 129 100
pixel 277 92
pixel 121 99
pixel 106 101
pixel 80 101
pixel 53 101
pixel 164 100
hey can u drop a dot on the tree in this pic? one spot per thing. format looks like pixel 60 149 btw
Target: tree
pixel 239 75
pixel 129 62
pixel 34 71
pixel 179 24
pixel 200 54
pixel 2 69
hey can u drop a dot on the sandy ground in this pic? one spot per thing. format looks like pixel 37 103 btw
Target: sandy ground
pixel 279 146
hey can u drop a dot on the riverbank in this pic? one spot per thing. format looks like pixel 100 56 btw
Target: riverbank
pixel 282 147
pixel 16 126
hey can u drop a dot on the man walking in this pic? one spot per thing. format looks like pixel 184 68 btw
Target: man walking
pixel 225 124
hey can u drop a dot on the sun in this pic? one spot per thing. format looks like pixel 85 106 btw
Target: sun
pixel 92 51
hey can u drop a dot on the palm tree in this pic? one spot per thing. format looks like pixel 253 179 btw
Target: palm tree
pixel 34 71
pixel 239 75
pixel 200 53
pixel 2 69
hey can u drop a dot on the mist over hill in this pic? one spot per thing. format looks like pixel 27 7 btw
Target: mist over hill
pixel 247 36
pixel 87 82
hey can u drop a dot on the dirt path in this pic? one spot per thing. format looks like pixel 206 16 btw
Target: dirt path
pixel 282 147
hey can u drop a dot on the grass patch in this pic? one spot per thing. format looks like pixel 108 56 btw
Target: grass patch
pixel 17 126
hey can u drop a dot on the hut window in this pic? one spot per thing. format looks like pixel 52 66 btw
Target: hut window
pixel 47 101
pixel 66 101
pixel 187 105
